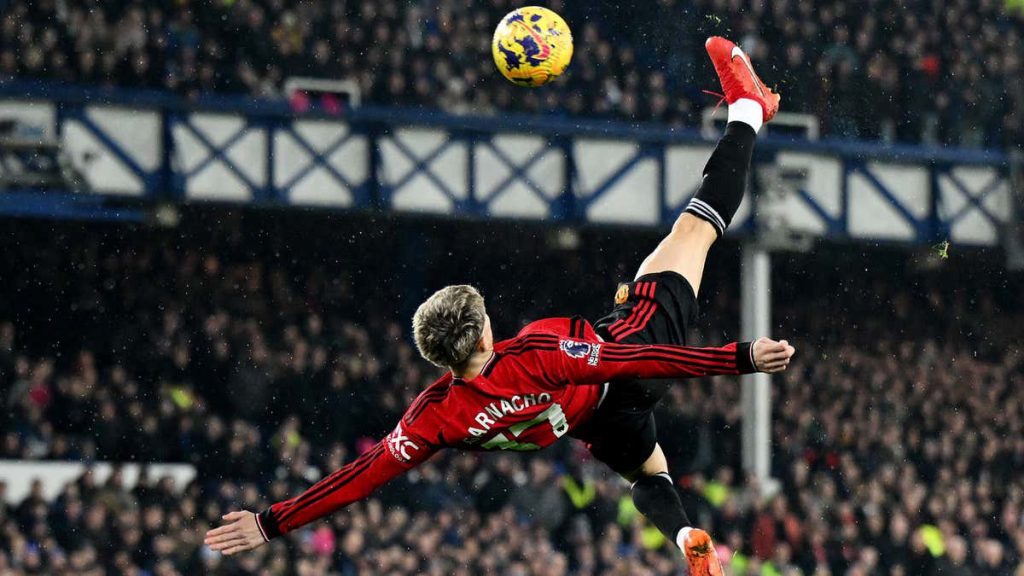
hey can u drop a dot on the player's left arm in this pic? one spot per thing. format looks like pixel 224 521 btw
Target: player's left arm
pixel 606 361
pixel 396 454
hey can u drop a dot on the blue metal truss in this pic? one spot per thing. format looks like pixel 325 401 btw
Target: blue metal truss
pixel 471 134
pixel 646 151
pixel 421 167
pixel 922 228
pixel 320 160
pixel 517 172
pixel 835 226
pixel 975 201
pixel 151 179
pixel 217 153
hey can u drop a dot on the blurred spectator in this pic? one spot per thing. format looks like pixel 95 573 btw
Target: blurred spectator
pixel 269 350
pixel 913 71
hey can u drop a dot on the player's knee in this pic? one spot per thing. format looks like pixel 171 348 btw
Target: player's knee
pixel 655 464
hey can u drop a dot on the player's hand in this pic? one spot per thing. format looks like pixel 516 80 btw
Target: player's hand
pixel 239 535
pixel 772 356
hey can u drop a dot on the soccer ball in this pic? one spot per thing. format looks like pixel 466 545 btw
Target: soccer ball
pixel 532 46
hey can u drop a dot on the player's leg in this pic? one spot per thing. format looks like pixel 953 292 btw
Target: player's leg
pixel 657 307
pixel 710 211
pixel 684 251
pixel 627 441
pixel 655 496
pixel 685 248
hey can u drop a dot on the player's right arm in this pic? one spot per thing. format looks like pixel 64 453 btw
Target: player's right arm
pixel 607 361
pixel 399 452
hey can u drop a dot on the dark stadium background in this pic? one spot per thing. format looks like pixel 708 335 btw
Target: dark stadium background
pixel 268 344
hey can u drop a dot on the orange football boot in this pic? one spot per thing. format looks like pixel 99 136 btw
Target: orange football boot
pixel 700 554
pixel 738 77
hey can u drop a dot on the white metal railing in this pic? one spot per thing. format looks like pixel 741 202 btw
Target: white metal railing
pixel 19 475
pixel 345 89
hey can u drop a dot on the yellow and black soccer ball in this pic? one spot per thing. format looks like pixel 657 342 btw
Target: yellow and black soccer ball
pixel 532 46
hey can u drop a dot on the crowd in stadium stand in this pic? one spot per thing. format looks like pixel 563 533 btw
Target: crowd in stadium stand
pixel 267 362
pixel 910 70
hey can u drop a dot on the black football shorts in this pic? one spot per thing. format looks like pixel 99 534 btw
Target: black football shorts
pixel 654 309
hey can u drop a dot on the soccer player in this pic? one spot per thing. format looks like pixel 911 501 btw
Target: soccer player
pixel 562 376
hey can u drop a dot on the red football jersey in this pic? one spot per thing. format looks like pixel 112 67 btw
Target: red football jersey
pixel 535 388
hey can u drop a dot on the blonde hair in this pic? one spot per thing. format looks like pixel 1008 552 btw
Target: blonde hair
pixel 448 325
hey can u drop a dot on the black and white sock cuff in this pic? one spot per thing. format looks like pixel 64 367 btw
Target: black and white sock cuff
pixel 704 211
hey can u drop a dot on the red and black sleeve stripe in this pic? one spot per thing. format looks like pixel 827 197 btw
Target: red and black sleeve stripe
pixel 311 504
pixel 577 327
pixel 700 360
pixel 729 359
pixel 614 361
pixel 430 396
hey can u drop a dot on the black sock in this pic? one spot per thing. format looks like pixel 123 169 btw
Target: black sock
pixel 656 498
pixel 725 177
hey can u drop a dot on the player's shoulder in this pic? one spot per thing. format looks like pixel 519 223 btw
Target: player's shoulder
pixel 543 335
pixel 572 327
pixel 419 412
pixel 548 334
pixel 527 357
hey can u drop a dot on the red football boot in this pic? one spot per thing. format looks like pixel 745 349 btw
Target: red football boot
pixel 700 552
pixel 738 77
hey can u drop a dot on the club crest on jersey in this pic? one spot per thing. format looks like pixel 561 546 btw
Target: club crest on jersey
pixel 399 445
pixel 574 349
pixel 622 294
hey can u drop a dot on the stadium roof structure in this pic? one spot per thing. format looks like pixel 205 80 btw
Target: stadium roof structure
pixel 136 149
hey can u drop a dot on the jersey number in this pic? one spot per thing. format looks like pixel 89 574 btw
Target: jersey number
pixel 553 415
